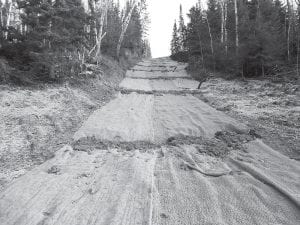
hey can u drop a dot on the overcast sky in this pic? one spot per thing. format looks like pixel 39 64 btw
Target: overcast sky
pixel 163 14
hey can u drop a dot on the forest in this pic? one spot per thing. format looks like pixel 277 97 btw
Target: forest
pixel 51 40
pixel 245 38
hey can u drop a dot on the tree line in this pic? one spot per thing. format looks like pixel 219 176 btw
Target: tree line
pixel 52 39
pixel 245 37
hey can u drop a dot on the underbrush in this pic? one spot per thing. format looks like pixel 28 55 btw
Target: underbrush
pixel 229 68
pixel 27 65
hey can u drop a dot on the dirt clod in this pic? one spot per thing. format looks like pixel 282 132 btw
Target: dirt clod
pixel 164 216
pixel 54 170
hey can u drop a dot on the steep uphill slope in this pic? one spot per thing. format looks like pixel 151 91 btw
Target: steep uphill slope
pixel 158 158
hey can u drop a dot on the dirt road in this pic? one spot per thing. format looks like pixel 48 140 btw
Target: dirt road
pixel 158 155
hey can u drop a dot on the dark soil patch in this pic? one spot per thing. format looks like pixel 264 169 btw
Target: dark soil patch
pixel 91 144
pixel 220 146
pixel 155 92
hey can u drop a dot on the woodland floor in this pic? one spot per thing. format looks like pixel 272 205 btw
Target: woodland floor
pixel 158 153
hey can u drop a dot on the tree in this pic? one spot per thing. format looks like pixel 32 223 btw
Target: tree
pixel 196 34
pixel 175 43
pixel 236 27
pixel 289 22
pixel 242 37
pixel 133 38
pixel 146 49
pixel 50 39
pixel 55 32
pixel 125 22
pixel 112 29
pixel 224 32
pixel 181 30
pixel 99 16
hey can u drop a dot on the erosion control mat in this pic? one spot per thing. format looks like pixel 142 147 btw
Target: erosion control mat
pixel 162 159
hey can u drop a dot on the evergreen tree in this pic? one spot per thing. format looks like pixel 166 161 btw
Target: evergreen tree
pixel 181 31
pixel 175 43
pixel 112 29
pixel 56 37
pixel 146 49
pixel 55 29
pixel 214 18
pixel 261 36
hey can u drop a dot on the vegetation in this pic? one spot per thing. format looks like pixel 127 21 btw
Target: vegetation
pixel 45 40
pixel 246 37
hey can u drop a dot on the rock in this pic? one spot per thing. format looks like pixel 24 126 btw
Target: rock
pixel 54 170
pixel 164 216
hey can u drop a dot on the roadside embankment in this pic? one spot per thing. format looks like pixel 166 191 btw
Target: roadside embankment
pixel 35 122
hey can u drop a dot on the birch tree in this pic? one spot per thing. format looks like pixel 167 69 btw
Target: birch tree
pixel 225 25
pixel 211 42
pixel 221 2
pixel 288 19
pixel 98 9
pixel 298 38
pixel 236 27
pixel 125 22
pixel 1 23
pixel 6 22
pixel 224 31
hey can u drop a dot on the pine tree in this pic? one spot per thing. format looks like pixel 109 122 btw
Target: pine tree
pixel 175 43
pixel 196 36
pixel 214 18
pixel 146 49
pixel 181 31
pixel 112 29
pixel 258 37
pixel 55 31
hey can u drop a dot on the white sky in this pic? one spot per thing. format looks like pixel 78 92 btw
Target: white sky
pixel 163 14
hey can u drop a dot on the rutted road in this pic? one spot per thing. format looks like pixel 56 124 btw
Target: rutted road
pixel 158 155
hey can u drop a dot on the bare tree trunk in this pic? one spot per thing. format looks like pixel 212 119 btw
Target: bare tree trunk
pixel 93 30
pixel 236 27
pixel 298 52
pixel 1 17
pixel 125 24
pixel 211 42
pixel 221 2
pixel 201 50
pixel 298 41
pixel 101 35
pixel 98 34
pixel 1 24
pixel 8 18
pixel 225 27
pixel 289 29
pixel 210 36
